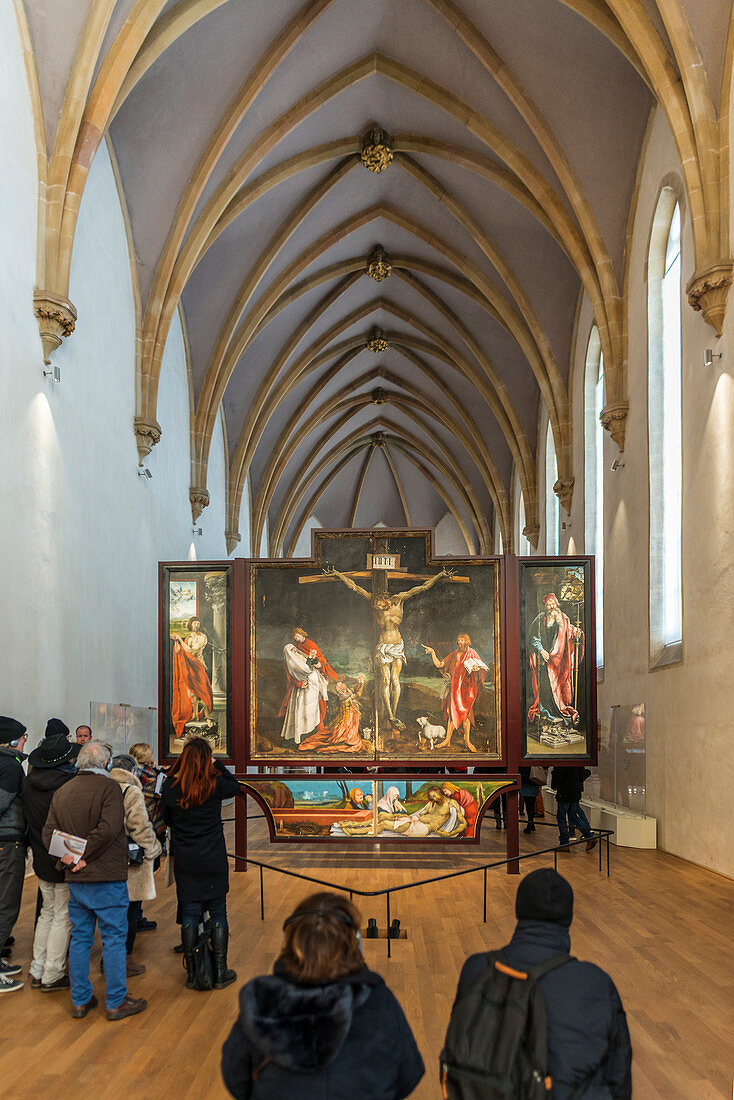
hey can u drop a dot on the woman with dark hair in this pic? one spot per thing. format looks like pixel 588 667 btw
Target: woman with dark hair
pixel 191 801
pixel 322 1024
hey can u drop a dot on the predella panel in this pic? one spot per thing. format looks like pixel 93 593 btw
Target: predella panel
pixel 354 808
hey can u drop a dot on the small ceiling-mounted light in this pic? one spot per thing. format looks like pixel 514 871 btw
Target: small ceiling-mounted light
pixel 709 356
pixel 53 373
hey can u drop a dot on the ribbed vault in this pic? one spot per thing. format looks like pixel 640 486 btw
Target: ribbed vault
pixel 247 138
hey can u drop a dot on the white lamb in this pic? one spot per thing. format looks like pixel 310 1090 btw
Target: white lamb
pixel 427 732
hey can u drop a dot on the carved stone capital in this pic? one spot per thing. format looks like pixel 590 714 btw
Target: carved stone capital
pixel 199 501
pixel 56 318
pixel 147 434
pixel 563 489
pixel 232 538
pixel 532 534
pixel 708 291
pixel 614 420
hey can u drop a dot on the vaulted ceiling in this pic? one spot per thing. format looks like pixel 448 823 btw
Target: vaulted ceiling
pixel 510 137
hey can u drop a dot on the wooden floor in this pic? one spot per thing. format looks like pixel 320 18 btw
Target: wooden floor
pixel 661 927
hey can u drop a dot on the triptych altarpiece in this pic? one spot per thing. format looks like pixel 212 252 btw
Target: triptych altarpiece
pixel 379 657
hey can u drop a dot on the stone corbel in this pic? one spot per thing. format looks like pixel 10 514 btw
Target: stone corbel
pixel 147 434
pixel 563 489
pixel 708 291
pixel 199 501
pixel 532 534
pixel 56 318
pixel 614 420
pixel 232 538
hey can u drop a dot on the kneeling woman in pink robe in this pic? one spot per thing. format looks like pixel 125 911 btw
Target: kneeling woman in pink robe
pixel 341 735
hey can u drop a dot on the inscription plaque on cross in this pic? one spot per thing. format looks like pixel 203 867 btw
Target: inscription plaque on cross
pixel 387 617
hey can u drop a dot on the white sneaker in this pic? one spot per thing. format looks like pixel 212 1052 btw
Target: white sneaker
pixel 9 985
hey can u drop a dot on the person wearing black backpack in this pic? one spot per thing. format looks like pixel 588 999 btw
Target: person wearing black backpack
pixel 532 1021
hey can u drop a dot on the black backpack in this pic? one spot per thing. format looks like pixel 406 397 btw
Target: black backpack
pixel 497 1041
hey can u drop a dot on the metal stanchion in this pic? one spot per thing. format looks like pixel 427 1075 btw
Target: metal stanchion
pixel 387 899
pixel 485 895
pixel 262 896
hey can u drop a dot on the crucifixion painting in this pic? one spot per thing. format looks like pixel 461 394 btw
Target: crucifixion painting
pixel 355 656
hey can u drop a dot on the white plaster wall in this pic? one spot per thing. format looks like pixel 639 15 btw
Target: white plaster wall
pixel 688 706
pixel 82 533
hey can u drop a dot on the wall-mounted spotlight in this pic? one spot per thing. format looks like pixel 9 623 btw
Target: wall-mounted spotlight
pixel 617 464
pixel 196 530
pixel 566 525
pixel 143 471
pixel 53 373
pixel 709 356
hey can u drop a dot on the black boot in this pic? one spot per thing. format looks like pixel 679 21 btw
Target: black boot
pixel 189 936
pixel 222 976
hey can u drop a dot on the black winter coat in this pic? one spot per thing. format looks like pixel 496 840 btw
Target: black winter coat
pixel 338 1041
pixel 39 787
pixel 12 821
pixel 200 862
pixel 587 1027
pixel 568 783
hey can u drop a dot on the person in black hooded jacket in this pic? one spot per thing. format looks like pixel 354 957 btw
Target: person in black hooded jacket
pixel 322 1025
pixel 588 1039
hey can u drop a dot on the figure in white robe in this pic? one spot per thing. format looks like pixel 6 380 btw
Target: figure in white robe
pixel 308 692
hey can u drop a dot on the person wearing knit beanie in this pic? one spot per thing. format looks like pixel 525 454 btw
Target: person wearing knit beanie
pixel 12 840
pixel 56 728
pixel 545 895
pixel 587 1035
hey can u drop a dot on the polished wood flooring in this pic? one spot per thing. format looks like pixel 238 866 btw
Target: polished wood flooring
pixel 661 927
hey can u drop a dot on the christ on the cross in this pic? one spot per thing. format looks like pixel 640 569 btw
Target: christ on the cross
pixel 387 609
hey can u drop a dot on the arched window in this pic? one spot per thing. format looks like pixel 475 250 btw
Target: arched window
pixel 498 545
pixel 552 503
pixel 522 546
pixel 594 477
pixel 664 431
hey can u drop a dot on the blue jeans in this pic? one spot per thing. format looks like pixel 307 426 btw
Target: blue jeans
pixel 569 815
pixel 104 903
pixel 192 912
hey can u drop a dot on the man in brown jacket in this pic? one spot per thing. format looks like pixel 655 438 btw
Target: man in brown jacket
pixel 90 806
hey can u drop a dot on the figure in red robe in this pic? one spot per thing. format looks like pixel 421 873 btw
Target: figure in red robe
pixel 468 803
pixel 556 649
pixel 463 672
pixel 191 688
pixel 341 735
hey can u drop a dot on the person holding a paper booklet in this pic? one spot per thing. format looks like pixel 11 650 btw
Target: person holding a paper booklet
pixel 89 809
